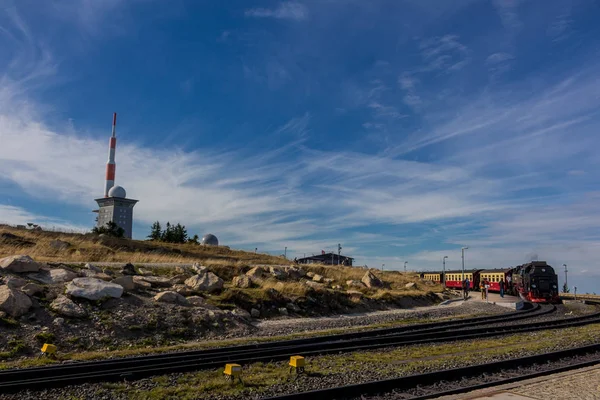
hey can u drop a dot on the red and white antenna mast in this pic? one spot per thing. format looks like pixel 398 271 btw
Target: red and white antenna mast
pixel 110 165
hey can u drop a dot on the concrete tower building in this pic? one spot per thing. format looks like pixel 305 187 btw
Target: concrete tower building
pixel 114 206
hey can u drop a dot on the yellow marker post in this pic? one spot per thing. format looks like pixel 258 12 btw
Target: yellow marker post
pixel 48 349
pixel 233 371
pixel 297 363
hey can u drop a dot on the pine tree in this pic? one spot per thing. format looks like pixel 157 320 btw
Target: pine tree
pixel 180 234
pixel 194 240
pixel 167 235
pixel 110 229
pixel 155 231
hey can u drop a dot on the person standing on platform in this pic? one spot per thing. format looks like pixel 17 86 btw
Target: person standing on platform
pixel 502 288
pixel 482 287
pixel 467 287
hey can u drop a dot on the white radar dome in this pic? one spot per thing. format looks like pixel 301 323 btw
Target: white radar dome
pixel 117 191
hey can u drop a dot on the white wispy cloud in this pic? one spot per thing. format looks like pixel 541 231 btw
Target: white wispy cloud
pixel 444 53
pixel 286 10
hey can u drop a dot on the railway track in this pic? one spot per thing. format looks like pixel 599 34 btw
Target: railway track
pixel 139 367
pixel 452 381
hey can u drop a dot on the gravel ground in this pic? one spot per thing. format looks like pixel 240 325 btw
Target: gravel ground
pixel 307 382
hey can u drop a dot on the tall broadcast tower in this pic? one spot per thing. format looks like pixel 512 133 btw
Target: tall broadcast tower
pixel 114 206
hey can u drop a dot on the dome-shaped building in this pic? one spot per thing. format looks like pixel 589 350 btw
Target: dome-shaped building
pixel 210 239
pixel 117 191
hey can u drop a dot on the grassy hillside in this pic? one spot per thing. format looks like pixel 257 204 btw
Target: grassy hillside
pixel 42 246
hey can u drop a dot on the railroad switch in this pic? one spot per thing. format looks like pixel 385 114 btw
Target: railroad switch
pixel 233 371
pixel 48 349
pixel 297 363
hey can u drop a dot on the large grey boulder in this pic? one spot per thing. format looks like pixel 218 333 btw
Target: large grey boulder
pixel 206 282
pixel 14 302
pixel 199 269
pixel 317 278
pixel 19 264
pixel 278 273
pixel 256 273
pixel 52 276
pixel 295 272
pixel 411 285
pixel 242 281
pixel 171 297
pixel 371 281
pixel 67 307
pixel 93 289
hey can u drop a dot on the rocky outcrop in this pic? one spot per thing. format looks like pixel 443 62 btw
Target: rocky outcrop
pixel 238 312
pixel 315 285
pixel 140 283
pixel 254 313
pixel 371 281
pixel 199 269
pixel 126 281
pixel 52 276
pixel 295 272
pixel 14 302
pixel 171 297
pixel 196 301
pixel 242 281
pixel 178 279
pixel 31 289
pixel 93 289
pixel 19 264
pixel 183 290
pixel 317 278
pixel 67 307
pixel 206 282
pixel 411 285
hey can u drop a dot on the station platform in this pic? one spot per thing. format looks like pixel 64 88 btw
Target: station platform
pixel 512 302
pixel 582 384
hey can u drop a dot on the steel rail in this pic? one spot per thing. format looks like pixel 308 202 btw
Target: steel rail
pixel 17 379
pixel 404 383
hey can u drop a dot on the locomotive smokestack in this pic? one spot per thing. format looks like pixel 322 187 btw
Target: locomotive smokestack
pixel 110 165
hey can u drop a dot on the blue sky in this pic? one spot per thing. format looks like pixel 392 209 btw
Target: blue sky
pixel 402 129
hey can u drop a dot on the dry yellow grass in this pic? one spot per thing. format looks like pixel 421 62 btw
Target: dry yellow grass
pixel 83 248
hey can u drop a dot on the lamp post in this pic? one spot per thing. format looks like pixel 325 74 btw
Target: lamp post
pixel 566 281
pixel 462 251
pixel 405 262
pixel 444 270
pixel 285 252
pixel 382 265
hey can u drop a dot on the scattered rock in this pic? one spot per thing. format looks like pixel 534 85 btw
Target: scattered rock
pixel 328 281
pixel 315 285
pixel 171 297
pixel 52 276
pixel 336 287
pixel 65 306
pixel 356 284
pixel 178 279
pixel 93 289
pixel 354 293
pixel 58 321
pixel 196 301
pixel 295 272
pixel 3 314
pixel 283 311
pixel 254 313
pixel 183 290
pixel 242 281
pixel 31 289
pixel 157 281
pixel 278 273
pixel 206 282
pixel 181 270
pixel 15 283
pixel 14 302
pixel 126 281
pixel 241 313
pixel 310 274
pixel 140 283
pixel 293 307
pixel 108 271
pixel 128 269
pixel 92 268
pixel 317 278
pixel 60 245
pixel 411 285
pixel 256 273
pixel 199 269
pixel 145 272
pixel 19 264
pixel 371 281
